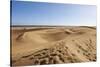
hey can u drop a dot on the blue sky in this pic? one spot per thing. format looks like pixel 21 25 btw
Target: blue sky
pixel 40 13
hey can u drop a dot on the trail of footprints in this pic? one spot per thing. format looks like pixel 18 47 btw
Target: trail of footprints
pixel 88 52
pixel 55 55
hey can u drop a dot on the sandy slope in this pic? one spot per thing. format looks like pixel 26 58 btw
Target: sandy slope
pixel 53 46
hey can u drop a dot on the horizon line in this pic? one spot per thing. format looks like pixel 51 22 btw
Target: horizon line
pixel 47 25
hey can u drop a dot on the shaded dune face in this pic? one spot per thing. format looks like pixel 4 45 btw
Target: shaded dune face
pixel 56 36
pixel 53 46
pixel 48 36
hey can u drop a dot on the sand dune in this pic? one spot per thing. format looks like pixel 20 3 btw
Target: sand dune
pixel 53 46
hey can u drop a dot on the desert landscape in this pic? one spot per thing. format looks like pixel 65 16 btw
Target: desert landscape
pixel 52 45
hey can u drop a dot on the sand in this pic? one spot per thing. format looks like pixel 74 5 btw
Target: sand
pixel 58 45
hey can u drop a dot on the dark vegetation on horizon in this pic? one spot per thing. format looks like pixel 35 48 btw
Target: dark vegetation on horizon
pixel 48 26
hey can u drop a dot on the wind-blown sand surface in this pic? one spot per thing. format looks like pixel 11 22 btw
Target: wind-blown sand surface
pixel 38 46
